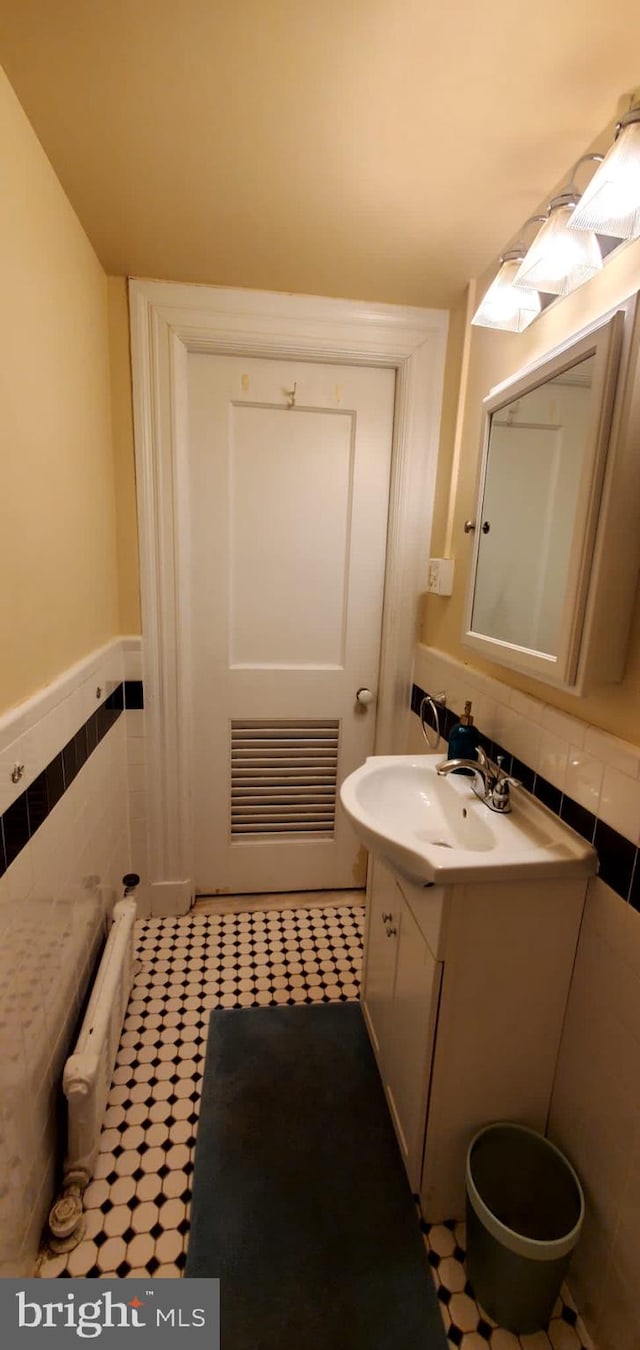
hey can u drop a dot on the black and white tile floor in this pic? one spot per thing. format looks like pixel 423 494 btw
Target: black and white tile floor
pixel 467 1325
pixel 138 1203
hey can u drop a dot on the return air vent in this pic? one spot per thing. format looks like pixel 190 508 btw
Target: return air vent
pixel 283 778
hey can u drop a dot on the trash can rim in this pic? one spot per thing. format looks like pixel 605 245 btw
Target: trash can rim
pixel 536 1249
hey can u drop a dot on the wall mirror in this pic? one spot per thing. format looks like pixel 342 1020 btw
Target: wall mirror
pixel 540 575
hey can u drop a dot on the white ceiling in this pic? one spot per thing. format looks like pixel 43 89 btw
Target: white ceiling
pixel 377 149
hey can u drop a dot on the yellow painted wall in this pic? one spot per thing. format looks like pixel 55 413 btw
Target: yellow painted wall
pixel 493 357
pixel 59 594
pixel 123 457
pixel 452 385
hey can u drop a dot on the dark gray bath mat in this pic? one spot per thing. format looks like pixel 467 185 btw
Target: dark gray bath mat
pixel 301 1204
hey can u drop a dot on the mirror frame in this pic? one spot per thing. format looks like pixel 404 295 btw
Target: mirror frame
pixel 572 668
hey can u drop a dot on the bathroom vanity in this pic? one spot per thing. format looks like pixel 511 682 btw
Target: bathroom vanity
pixel 464 992
pixel 472 928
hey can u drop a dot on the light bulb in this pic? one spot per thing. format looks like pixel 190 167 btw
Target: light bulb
pixel 560 258
pixel 507 306
pixel 611 203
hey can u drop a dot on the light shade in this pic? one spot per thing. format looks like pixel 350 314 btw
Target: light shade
pixel 507 306
pixel 560 258
pixel 611 202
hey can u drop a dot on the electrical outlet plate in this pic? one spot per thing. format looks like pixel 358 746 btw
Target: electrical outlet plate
pixel 440 576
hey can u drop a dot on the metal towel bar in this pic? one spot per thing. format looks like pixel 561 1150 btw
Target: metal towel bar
pixel 435 703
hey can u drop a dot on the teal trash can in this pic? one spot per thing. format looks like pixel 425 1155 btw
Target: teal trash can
pixel 524 1214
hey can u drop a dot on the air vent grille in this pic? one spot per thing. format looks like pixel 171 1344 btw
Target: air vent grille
pixel 283 778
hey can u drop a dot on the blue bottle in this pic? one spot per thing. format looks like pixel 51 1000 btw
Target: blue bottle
pixel 463 740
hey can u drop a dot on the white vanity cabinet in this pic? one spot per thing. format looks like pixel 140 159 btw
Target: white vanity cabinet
pixel 464 993
pixel 400 1001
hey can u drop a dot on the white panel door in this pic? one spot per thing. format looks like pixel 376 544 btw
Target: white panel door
pixel 287 524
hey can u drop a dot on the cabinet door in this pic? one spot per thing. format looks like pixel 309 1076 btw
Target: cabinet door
pixel 380 960
pixel 411 1036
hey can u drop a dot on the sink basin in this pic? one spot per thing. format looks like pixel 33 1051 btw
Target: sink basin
pixel 435 829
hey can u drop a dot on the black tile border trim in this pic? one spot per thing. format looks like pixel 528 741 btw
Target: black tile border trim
pixel 26 814
pixel 619 859
pixel 133 695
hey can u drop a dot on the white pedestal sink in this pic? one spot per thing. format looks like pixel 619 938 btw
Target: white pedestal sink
pixel 435 829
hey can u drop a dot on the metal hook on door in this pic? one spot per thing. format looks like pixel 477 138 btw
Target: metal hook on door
pixel 291 396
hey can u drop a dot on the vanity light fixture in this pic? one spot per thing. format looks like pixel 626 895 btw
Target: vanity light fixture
pixel 506 305
pixel 561 258
pixel 611 203
pixel 579 231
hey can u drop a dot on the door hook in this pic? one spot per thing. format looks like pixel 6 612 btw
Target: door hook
pixel 291 396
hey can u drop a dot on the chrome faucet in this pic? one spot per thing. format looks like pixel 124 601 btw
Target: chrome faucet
pixel 490 783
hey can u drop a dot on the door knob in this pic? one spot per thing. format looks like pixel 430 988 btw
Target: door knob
pixel 365 696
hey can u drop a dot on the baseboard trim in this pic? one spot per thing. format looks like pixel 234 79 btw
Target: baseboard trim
pixel 248 904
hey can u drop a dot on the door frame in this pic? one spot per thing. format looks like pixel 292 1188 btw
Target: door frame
pixel 169 320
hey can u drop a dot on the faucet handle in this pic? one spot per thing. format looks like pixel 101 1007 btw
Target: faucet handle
pixel 504 780
pixel 503 776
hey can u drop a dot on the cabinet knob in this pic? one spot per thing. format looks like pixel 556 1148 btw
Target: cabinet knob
pixel 386 918
pixel 390 931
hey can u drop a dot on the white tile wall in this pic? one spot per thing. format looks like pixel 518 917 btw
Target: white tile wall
pixel 54 900
pixel 136 778
pixel 595 1108
pixel 598 770
pixel 619 802
pixel 553 758
pixel 595 1115
pixel 136 772
pixel 137 807
pixel 619 754
pixel 34 732
pixel 131 648
pixel 584 777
